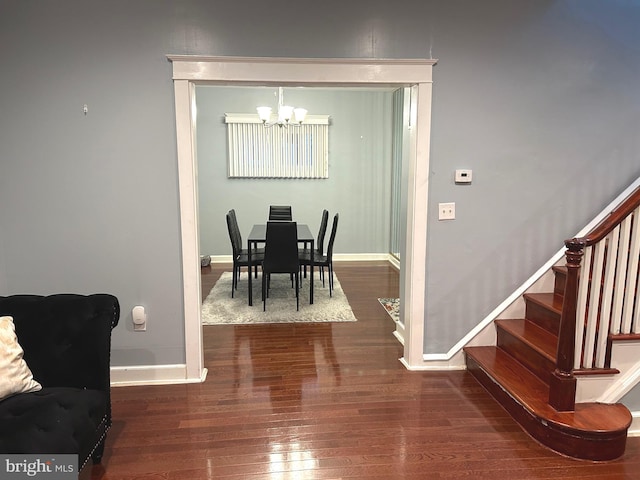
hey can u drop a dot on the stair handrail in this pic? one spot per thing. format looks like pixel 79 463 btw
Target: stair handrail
pixel 575 344
pixel 617 215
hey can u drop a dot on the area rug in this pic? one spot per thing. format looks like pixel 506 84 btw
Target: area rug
pixel 220 309
pixel 392 306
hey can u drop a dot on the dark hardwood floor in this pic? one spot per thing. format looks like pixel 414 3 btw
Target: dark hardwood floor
pixel 326 401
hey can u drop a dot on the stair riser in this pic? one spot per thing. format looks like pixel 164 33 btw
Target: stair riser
pixel 543 317
pixel 596 447
pixel 537 363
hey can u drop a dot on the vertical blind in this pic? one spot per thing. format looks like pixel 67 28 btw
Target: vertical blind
pixel 278 151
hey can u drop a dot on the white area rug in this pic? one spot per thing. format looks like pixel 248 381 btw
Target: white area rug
pixel 220 309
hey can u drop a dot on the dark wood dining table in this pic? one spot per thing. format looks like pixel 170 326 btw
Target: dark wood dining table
pixel 258 235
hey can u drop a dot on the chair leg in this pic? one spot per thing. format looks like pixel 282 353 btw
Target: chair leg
pixel 264 294
pixel 233 280
pixel 297 292
pixel 330 268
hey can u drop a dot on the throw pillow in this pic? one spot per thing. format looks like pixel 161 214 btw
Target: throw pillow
pixel 15 375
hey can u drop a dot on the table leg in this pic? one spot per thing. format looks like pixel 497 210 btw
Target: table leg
pixel 250 275
pixel 311 274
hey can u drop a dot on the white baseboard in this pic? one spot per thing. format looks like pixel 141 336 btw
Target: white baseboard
pixel 361 257
pixel 399 332
pixel 338 257
pixel 221 258
pixel 152 375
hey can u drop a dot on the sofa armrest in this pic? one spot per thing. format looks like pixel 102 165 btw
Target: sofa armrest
pixel 66 338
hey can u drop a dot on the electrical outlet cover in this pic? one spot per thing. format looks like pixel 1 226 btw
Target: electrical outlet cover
pixel 446 211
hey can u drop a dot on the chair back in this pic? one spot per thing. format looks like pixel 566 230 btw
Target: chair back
pixel 236 229
pixel 280 212
pixel 332 237
pixel 233 236
pixel 322 232
pixel 281 248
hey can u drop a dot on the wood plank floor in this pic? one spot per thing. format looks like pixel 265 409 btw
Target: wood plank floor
pixel 326 401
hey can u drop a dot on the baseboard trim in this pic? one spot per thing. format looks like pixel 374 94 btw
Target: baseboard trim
pixel 153 375
pixel 338 257
pixel 361 257
pixel 399 333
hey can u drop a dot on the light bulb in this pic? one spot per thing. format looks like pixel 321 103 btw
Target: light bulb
pixel 264 113
pixel 300 114
pixel 284 113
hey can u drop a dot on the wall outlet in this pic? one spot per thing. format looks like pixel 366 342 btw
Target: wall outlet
pixel 139 317
pixel 447 211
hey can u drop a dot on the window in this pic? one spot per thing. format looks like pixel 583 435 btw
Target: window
pixel 278 151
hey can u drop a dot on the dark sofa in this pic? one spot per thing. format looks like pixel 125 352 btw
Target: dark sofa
pixel 66 340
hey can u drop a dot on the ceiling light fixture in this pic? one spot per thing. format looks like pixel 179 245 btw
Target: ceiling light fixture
pixel 287 115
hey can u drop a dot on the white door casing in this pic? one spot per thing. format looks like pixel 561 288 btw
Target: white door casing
pixel 190 70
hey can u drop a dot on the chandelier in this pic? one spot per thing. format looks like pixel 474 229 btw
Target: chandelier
pixel 287 115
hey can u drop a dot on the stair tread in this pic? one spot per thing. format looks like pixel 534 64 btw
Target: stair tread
pixel 533 394
pixel 543 341
pixel 549 300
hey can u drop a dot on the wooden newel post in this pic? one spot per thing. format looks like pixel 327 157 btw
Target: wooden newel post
pixel 562 388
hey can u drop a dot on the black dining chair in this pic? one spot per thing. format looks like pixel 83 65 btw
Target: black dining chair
pixel 319 247
pixel 280 212
pixel 326 260
pixel 240 259
pixel 256 253
pixel 280 256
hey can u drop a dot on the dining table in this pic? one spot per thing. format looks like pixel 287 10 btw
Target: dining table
pixel 258 235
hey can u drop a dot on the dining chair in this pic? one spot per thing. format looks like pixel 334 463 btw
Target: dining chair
pixel 280 212
pixel 326 260
pixel 280 256
pixel 319 247
pixel 256 253
pixel 240 259
pixel 322 231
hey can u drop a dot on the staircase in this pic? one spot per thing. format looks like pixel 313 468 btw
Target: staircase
pixel 521 371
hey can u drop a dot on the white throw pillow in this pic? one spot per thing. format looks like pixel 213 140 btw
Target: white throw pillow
pixel 15 375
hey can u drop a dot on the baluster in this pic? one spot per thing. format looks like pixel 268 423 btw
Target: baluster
pixel 562 388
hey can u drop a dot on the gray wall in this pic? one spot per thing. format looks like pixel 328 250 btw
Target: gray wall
pixel 546 115
pixel 539 98
pixel 359 182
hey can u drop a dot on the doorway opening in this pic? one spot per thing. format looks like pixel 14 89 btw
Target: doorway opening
pixel 189 71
